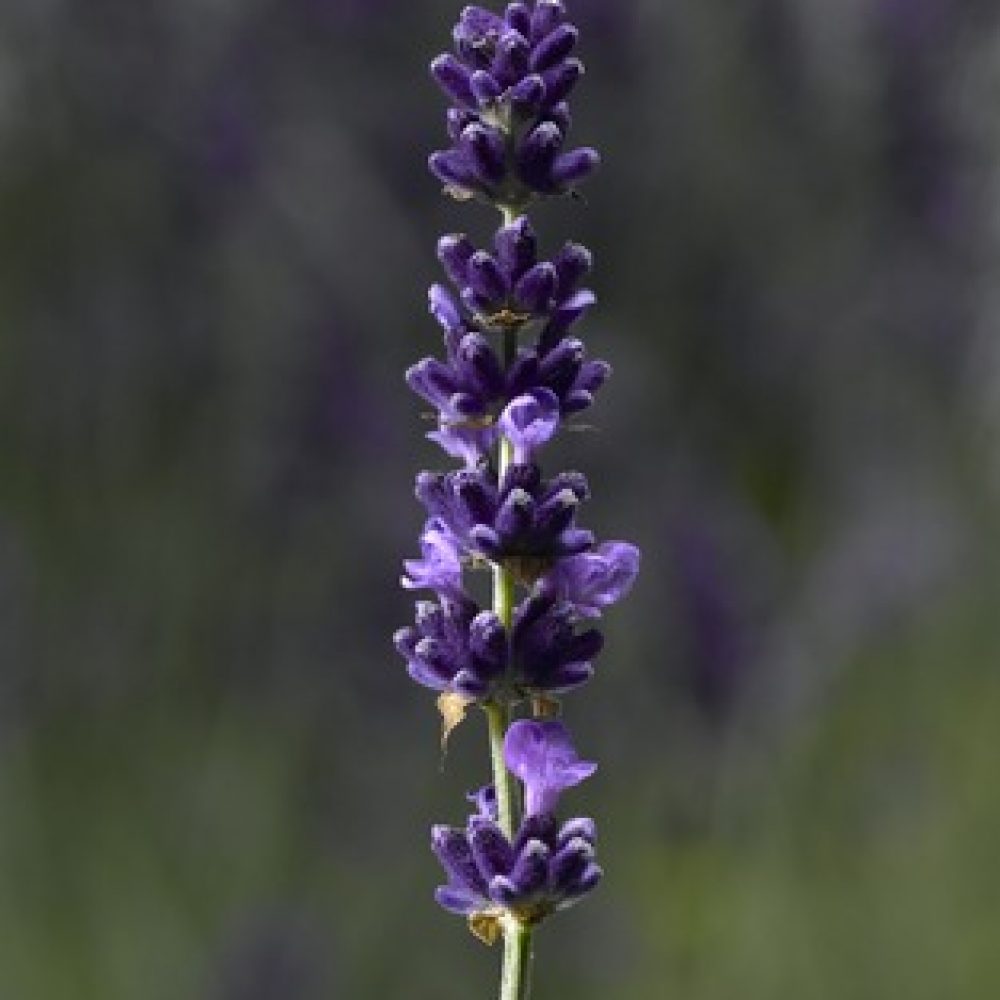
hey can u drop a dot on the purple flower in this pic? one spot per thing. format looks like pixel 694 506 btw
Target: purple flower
pixel 542 756
pixel 547 867
pixel 529 421
pixel 592 581
pixel 440 566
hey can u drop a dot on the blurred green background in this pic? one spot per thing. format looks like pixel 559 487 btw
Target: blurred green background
pixel 216 230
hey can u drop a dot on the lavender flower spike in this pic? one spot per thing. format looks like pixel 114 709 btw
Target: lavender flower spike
pixel 513 371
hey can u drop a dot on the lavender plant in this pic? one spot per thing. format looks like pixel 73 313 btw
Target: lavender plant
pixel 512 375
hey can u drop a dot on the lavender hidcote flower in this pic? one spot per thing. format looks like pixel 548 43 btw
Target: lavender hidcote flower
pixel 549 865
pixel 542 756
pixel 591 581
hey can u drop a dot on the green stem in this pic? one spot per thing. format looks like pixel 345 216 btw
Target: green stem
pixel 498 713
pixel 497 720
pixel 516 969
pixel 515 982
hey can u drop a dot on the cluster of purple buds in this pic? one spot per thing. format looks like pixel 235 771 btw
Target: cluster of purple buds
pixel 509 79
pixel 512 375
pixel 455 648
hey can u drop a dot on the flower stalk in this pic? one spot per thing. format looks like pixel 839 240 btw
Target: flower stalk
pixel 515 977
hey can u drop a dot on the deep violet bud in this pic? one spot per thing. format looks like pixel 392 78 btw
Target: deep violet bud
pixel 517 248
pixel 542 756
pixel 454 251
pixel 533 293
pixel 592 581
pixel 554 47
pixel 561 79
pixel 575 166
pixel 485 150
pixel 536 155
pixel 546 17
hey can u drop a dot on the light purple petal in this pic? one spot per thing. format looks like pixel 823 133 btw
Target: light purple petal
pixel 592 581
pixel 471 444
pixel 440 567
pixel 529 421
pixel 542 756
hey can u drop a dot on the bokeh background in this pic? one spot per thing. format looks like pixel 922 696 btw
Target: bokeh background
pixel 216 231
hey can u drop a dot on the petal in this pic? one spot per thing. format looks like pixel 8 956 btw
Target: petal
pixel 530 421
pixel 542 756
pixel 458 900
